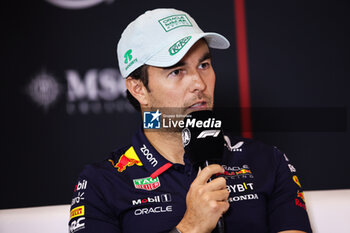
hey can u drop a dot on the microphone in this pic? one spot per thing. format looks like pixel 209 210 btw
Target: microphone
pixel 203 141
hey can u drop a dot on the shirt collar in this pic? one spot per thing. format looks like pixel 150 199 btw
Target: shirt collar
pixel 154 162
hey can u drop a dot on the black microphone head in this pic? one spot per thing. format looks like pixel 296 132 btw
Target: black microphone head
pixel 202 137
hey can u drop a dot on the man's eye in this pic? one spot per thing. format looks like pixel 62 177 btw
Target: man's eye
pixel 175 73
pixel 204 65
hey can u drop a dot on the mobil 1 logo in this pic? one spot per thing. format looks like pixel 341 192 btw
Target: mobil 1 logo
pixel 154 199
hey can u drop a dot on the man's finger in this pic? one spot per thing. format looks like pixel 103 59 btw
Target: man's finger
pixel 208 172
pixel 218 196
pixel 217 184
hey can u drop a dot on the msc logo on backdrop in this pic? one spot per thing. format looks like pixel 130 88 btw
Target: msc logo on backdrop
pixel 97 91
pixel 44 90
pixel 77 4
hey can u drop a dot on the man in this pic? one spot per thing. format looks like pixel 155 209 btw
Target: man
pixel 150 185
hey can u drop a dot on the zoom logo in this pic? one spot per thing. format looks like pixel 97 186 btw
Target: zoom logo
pixel 148 155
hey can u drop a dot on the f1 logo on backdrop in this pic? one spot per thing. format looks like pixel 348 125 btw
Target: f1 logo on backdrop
pixel 151 120
pixel 77 4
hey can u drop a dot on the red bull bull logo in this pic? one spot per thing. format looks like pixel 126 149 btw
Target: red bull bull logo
pixel 301 195
pixel 125 162
pixel 296 180
pixel 240 172
pixel 300 204
pixel 243 171
pixel 128 159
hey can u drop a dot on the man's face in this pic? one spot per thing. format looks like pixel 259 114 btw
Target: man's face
pixel 187 86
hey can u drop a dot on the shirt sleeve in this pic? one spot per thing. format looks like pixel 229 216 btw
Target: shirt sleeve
pixel 89 211
pixel 286 206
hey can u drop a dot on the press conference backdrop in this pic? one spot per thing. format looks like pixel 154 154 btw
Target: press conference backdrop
pixel 64 100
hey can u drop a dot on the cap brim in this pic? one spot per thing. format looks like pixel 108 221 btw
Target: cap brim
pixel 164 59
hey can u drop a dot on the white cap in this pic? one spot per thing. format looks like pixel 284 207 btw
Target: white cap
pixel 161 38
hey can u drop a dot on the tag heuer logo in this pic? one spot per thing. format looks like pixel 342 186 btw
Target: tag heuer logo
pixel 175 48
pixel 147 183
pixel 174 21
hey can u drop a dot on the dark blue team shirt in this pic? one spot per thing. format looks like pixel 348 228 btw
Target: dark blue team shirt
pixel 137 190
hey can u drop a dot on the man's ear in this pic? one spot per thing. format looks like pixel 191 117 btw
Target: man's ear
pixel 137 90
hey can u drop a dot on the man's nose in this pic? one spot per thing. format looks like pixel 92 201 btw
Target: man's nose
pixel 197 82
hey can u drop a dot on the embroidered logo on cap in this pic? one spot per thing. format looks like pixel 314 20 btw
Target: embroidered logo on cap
pixel 174 21
pixel 128 58
pixel 175 48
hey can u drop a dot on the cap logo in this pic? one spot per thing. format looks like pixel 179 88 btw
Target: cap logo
pixel 128 56
pixel 175 48
pixel 128 59
pixel 174 21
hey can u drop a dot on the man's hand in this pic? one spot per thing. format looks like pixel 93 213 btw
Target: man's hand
pixel 206 202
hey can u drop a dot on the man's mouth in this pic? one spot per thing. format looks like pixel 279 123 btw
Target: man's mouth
pixel 199 105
